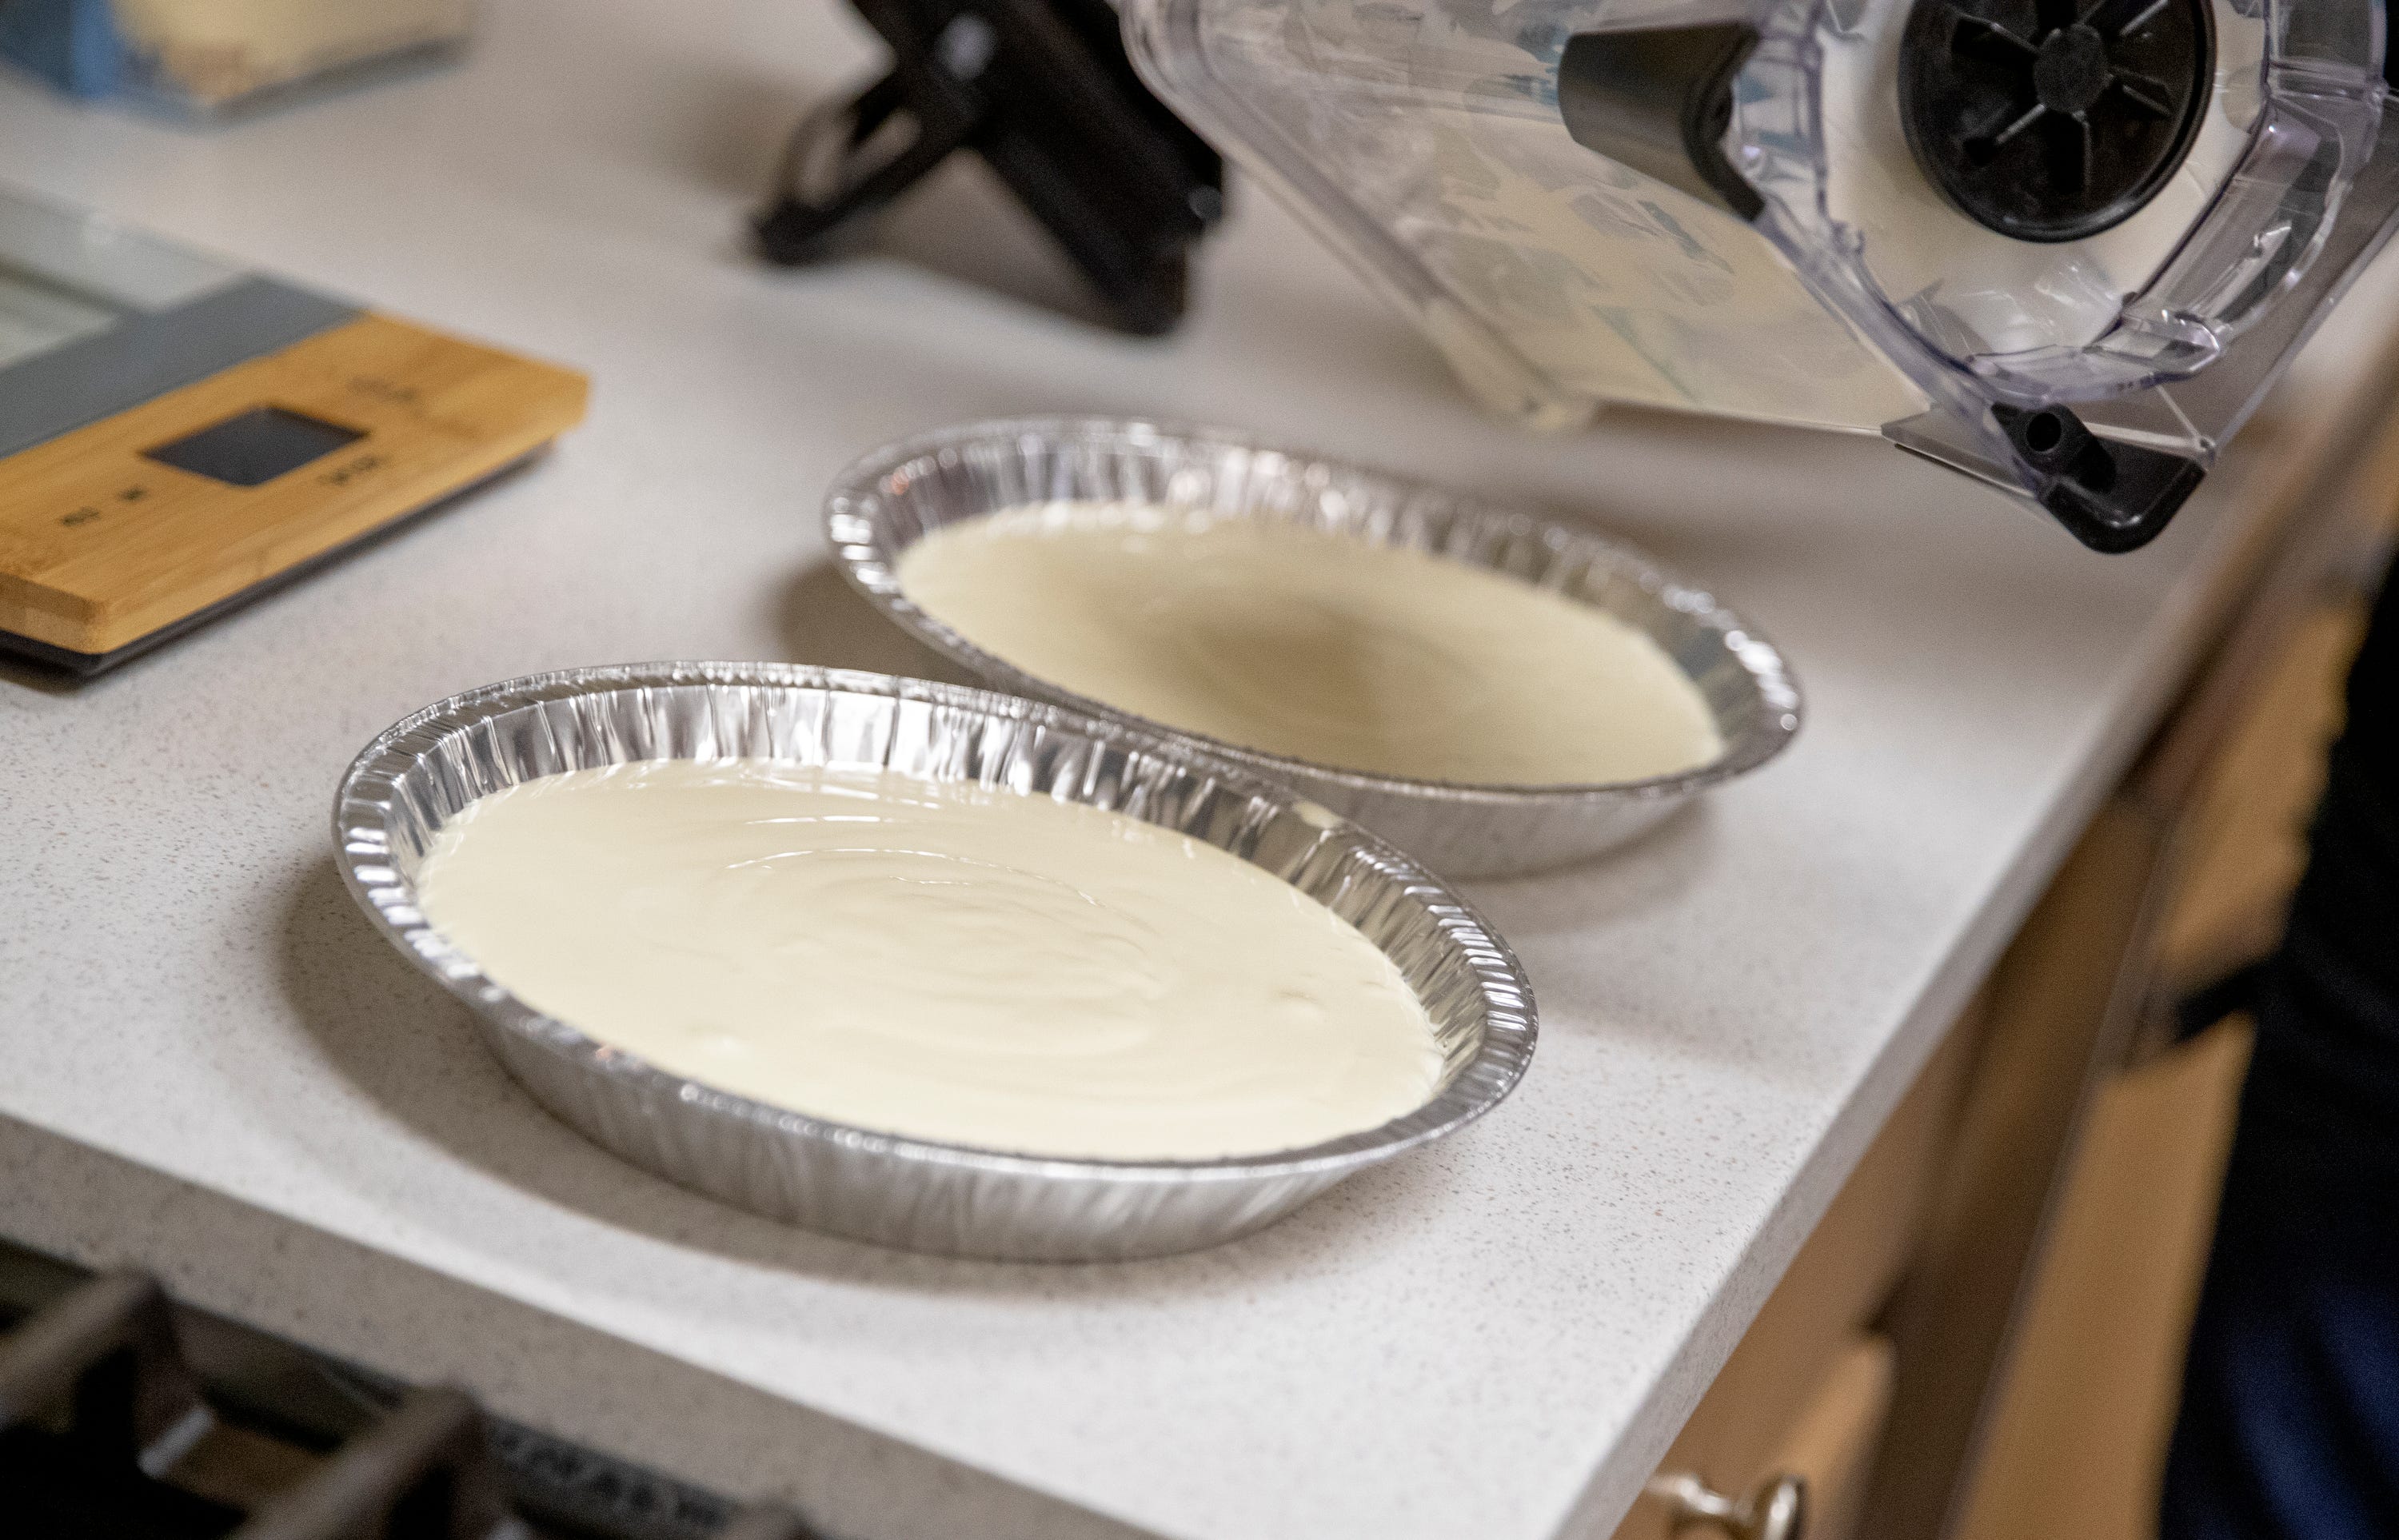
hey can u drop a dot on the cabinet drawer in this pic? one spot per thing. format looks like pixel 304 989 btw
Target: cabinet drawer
pixel 1808 1341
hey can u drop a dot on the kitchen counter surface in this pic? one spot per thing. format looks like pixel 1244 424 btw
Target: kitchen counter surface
pixel 216 1070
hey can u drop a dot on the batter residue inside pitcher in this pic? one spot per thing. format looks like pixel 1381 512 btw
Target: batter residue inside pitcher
pixel 933 959
pixel 1335 651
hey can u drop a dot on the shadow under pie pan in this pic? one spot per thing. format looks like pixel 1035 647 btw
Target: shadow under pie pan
pixel 915 1193
pixel 896 496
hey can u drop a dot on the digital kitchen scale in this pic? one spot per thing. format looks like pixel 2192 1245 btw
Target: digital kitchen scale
pixel 177 436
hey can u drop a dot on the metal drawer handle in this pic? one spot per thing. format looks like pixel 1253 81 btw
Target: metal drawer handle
pixel 1776 1509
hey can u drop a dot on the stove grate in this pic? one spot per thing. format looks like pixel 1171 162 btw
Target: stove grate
pixel 127 1417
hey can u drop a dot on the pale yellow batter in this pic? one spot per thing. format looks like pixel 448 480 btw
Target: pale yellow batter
pixel 1334 651
pixel 927 958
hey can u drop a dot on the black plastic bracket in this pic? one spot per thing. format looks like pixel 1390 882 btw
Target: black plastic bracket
pixel 2110 496
pixel 1042 89
pixel 1659 100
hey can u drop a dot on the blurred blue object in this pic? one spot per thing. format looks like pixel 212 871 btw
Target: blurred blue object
pixel 71 44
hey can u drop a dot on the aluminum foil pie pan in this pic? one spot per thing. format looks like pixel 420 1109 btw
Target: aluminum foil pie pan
pixel 916 1194
pixel 896 495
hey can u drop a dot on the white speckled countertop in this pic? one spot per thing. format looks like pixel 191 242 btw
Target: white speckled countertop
pixel 215 1070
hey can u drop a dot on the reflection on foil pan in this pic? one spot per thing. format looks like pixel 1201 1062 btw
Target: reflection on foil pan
pixel 894 498
pixel 909 1193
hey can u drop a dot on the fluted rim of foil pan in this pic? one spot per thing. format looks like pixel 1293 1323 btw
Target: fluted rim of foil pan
pixel 870 519
pixel 425 768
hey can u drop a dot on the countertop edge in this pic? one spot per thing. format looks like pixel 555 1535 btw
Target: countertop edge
pixel 100 1210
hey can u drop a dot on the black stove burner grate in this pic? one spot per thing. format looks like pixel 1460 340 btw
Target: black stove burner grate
pixel 124 1416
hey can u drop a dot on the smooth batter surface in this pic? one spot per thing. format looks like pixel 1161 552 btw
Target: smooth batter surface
pixel 927 958
pixel 1330 650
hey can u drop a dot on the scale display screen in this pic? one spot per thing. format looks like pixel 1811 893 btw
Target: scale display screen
pixel 256 447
